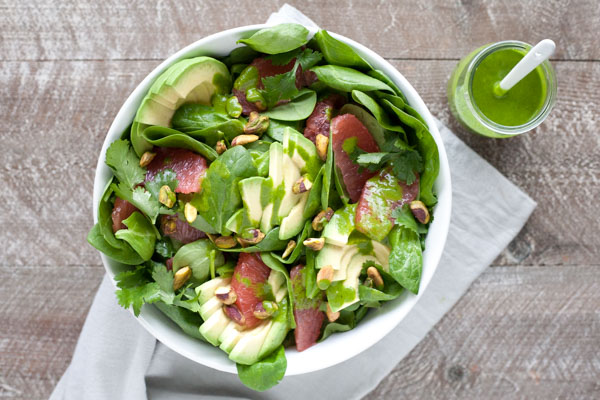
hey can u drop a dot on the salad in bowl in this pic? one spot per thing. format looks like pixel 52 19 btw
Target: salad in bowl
pixel 270 198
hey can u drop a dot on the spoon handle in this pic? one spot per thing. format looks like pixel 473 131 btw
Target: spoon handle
pixel 537 55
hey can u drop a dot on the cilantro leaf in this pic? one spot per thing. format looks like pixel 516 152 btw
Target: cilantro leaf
pixel 283 58
pixel 140 198
pixel 136 289
pixel 280 87
pixel 308 58
pixel 124 163
pixel 404 162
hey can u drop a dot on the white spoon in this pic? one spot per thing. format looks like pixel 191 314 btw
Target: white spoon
pixel 537 55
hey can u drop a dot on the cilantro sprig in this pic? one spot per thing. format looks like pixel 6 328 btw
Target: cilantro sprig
pixel 403 161
pixel 283 86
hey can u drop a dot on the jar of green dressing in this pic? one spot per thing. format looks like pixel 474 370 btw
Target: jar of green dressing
pixel 474 103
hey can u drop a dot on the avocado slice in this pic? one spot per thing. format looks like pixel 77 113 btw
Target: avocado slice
pixel 213 327
pixel 342 294
pixel 302 152
pixel 230 336
pixel 191 80
pixel 338 229
pixel 250 190
pixel 208 288
pixel 294 222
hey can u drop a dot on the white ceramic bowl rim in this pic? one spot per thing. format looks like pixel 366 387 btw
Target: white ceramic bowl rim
pixel 339 347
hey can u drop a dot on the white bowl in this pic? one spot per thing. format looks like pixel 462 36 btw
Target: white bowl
pixel 339 347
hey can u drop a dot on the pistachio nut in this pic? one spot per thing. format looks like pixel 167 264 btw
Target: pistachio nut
pixel 315 244
pixel 420 211
pixel 241 140
pixel 225 295
pixel 147 158
pixel 322 142
pixel 166 196
pixel 181 277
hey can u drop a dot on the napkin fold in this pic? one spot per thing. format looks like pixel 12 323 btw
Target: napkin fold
pixel 115 358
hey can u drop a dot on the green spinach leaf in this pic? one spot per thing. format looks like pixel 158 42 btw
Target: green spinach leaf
pixel 197 256
pixel 377 111
pixel 240 55
pixel 139 234
pixel 278 39
pixel 266 373
pixel 339 53
pixel 188 321
pixel 406 259
pixel 377 74
pixel 166 137
pixel 220 196
pixel 347 79
pixel 313 203
pixel 123 254
pixel 193 116
pixel 299 108
pixel 306 231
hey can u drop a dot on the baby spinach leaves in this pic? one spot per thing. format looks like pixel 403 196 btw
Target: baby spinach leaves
pixel 339 53
pixel 166 137
pixel 406 259
pixel 188 321
pixel 266 373
pixel 220 196
pixel 201 256
pixel 139 234
pixel 347 79
pixel 299 108
pixel 192 116
pixel 277 39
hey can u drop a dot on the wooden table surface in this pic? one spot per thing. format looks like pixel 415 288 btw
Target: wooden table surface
pixel 529 327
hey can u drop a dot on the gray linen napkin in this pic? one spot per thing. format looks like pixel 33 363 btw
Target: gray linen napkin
pixel 116 358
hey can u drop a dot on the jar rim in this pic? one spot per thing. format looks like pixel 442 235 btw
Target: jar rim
pixel 510 130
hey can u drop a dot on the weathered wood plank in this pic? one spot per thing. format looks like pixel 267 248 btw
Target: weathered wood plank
pixel 47 30
pixel 517 333
pixel 43 309
pixel 56 115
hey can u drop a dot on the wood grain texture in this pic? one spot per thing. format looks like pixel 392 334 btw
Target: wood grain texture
pixel 43 309
pixel 68 107
pixel 517 333
pixel 113 29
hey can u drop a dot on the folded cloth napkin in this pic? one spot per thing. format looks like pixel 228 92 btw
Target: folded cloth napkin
pixel 116 358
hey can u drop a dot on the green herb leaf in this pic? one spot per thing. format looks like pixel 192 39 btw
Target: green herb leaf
pixel 266 373
pixel 123 254
pixel 139 234
pixel 124 163
pixel 140 198
pixel 220 196
pixel 278 39
pixel 280 87
pixel 166 177
pixel 136 289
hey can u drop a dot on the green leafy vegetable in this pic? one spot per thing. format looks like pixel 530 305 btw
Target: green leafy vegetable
pixel 193 116
pixel 124 163
pixel 406 259
pixel 188 321
pixel 275 265
pixel 136 287
pixel 280 87
pixel 427 148
pixel 372 297
pixel 166 137
pixel 123 254
pixel 266 373
pixel 166 177
pixel 220 196
pixel 276 128
pixel 240 55
pixel 139 234
pixel 306 231
pixel 377 111
pixel 348 320
pixel 377 74
pixel 339 53
pixel 347 79
pixel 140 198
pixel 310 275
pixel 197 256
pixel 270 242
pixel 164 248
pixel 313 203
pixel 306 57
pixel 278 39
pixel 299 108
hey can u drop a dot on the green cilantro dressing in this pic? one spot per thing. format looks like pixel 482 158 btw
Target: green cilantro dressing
pixel 521 103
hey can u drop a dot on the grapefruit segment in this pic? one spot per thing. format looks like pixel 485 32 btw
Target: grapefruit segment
pixel 249 277
pixel 189 167
pixel 309 318
pixel 181 231
pixel 319 121
pixel 122 209
pixel 344 127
